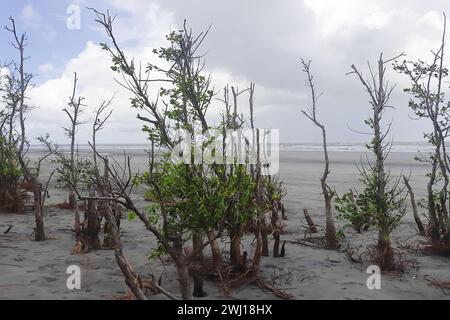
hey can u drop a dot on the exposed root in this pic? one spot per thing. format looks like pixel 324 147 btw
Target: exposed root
pixel 353 255
pixel 401 263
pixel 128 296
pixel 277 292
pixel 443 285
pixel 66 206
pixel 229 279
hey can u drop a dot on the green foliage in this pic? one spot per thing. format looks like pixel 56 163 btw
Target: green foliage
pixel 131 216
pixel 367 209
pixel 340 234
pixel 353 210
pixel 79 173
pixel 10 173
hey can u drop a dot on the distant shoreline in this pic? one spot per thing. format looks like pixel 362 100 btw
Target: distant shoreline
pixel 403 147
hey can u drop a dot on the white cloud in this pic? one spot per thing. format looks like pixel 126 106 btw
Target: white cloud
pixel 377 18
pixel 29 16
pixel 48 70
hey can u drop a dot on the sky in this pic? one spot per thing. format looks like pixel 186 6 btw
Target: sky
pixel 249 41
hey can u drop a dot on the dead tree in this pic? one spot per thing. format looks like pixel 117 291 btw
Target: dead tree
pixel 19 91
pixel 311 114
pixel 73 111
pixel 311 226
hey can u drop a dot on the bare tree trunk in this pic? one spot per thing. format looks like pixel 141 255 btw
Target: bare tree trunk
pixel 258 249
pixel 93 226
pixel 77 225
pixel 311 225
pixel 283 212
pixel 198 286
pixel 264 238
pixel 184 279
pixel 39 234
pixel 197 241
pixel 132 279
pixel 276 244
pixel 414 207
pixel 433 231
pixel 275 217
pixel 385 252
pixel 72 199
pixel 235 250
pixel 330 230
pixel 215 250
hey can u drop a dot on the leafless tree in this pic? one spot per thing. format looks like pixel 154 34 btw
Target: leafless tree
pixel 73 110
pixel 311 114
pixel 20 108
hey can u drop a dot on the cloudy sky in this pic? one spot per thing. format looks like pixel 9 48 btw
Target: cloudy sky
pixel 250 41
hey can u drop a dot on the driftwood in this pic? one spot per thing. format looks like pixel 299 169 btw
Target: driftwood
pixel 443 285
pixel 7 230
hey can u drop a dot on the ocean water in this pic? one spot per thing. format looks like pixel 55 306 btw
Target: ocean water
pixel 139 149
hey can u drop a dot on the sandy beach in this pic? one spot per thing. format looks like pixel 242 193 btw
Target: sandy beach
pixel 37 270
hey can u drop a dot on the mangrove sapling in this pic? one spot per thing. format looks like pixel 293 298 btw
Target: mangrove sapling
pixel 311 114
pixel 382 196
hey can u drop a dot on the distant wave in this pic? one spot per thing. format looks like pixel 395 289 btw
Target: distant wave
pixel 137 149
pixel 357 147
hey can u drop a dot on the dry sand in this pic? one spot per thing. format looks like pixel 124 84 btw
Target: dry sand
pixel 37 270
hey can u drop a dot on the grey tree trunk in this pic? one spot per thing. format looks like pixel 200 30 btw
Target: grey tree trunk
pixel 235 250
pixel 184 279
pixel 417 219
pixel 39 233
pixel 215 250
